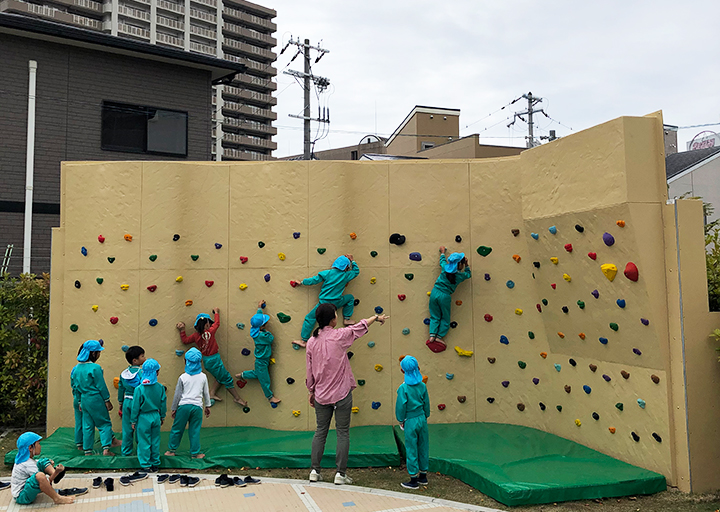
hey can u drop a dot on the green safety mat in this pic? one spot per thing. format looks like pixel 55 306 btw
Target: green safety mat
pixel 523 466
pixel 230 447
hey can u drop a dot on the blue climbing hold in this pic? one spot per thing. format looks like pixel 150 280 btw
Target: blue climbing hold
pixel 125 348
pixel 218 246
pixel 510 285
pixel 426 321
pixel 552 229
pixel 535 235
pixel 273 405
pixel 179 353
pixel 245 352
pixel 557 367
pixel 415 256
pixel 296 347
pixel 378 310
pixel 83 250
pixel 267 278
pixel 487 277
pixel 153 322
pixel 371 344
pixel 376 405
pixel 505 383
pixel 504 340
pixel 620 303
pixel 263 305
pixel 604 341
pixel 641 403
pixel 240 325
pixel 406 331
pixel 587 389
pixel 296 235
pixel 449 376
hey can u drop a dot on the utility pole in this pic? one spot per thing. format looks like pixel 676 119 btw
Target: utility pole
pixel 320 82
pixel 532 101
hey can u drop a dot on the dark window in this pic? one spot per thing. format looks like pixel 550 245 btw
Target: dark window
pixel 140 129
pixel 353 155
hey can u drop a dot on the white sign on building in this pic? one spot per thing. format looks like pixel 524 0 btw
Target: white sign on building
pixel 709 141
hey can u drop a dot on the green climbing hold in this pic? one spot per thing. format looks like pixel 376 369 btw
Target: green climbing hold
pixel 240 325
pixel 153 257
pixel 531 335
pixel 614 326
pixel 484 250
pixel 111 259
pixel 320 250
pixel 246 409
pixel 284 318
pixel 99 280
pixel 545 302
pixel 409 277
pixel 619 406
pixel 73 327
pixel 559 408
pixel 373 253
pixel 522 364
pixel 361 382
pixel 194 257
pixel 581 304
pixel 261 244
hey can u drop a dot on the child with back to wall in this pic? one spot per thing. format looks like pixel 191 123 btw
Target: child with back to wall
pixel 129 380
pixel 263 351
pixel 412 409
pixel 455 270
pixel 204 337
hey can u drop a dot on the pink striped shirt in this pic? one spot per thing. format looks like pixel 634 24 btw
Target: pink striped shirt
pixel 329 376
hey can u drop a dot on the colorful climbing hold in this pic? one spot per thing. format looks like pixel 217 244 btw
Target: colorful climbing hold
pixel 544 355
pixel 350 354
pixel 261 244
pixel 637 352
pixel 531 335
pixel 294 284
pixel 77 284
pixel 415 256
pixel 188 303
pixel 610 271
pixel 595 293
pixel 458 238
pixel 176 237
pixel 522 364
pixel 487 277
pixel 490 399
pixel 449 376
pixel 536 381
pixel 521 407
pixel 608 239
pixel 246 352
pixel 178 352
pixel 504 340
pixel 625 374
pixel 397 239
pixel 578 422
pixel 631 271
pixel 614 326
pixel 657 437
pixel 373 253
pixel 606 377
pixel 561 335
pixel 535 235
pixel 101 239
pixel 426 321
pixel 240 325
pixel 557 366
pixel 620 223
pixel 409 277
pixel 296 235
pixel 635 437
pixel 510 284
pixel 83 250
pixel 619 406
pixel 243 286
pixel 545 302
pixel 194 257
pixel 567 388
pixel 603 340
pixel 621 303
pixel 243 259
pixel 283 317
pixel 378 310
pixel 406 331
pixel 124 287
pixel 113 320
pixel 645 321
pixel 595 416
pixel 458 303
pixel 655 379
pixel 128 237
pixel 484 250
pixel 536 264
pixel 581 335
pixel 553 286
pixel 356 301
pixel 587 389
pixel 153 322
pixel 515 232
pixel 373 280
pixel 353 235
pixel 378 367
pixel 464 353
pixel 453 324
pixel 569 247
pixel 518 311
pixel 246 409
pixel 371 344
pixel 209 283
pixel 488 317
pixel 94 307
pixel 267 278
pixel 567 277
pixel 99 280
pixel 542 406
pixel 517 258
pixel 559 408
pixel 565 309
pixel 295 412
pixel 554 260
pixel 505 383
pixel 612 430
pixel 111 259
pixel 441 407
pixel 491 360
pixel 281 256
pixel 572 362
pixel 74 327
pixel 593 367
pixel 553 230
pixel 592 255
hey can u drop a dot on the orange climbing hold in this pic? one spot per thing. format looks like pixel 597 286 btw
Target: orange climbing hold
pixel 188 303
pixel 517 258
pixel 353 235
pixel 543 355
pixel 611 429
pixel 458 303
pixel 582 335
pixel 621 223
pixel 561 334
pixel 128 237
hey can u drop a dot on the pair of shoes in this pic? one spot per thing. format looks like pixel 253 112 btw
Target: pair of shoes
pixel 4 485
pixel 135 477
pixel 97 482
pixel 174 479
pixel 73 491
pixel 162 478
pixel 412 484
pixel 238 482
pixel 314 476
pixel 224 481
pixel 250 480
pixel 422 479
pixel 341 479
pixel 60 475
pixel 189 481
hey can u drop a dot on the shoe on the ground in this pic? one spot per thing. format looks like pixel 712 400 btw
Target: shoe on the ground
pixel 174 479
pixel 60 475
pixel 250 480
pixel 192 481
pixel 342 479
pixel 4 485
pixel 73 491
pixel 223 481
pixel 238 482
pixel 163 478
pixel 184 480
pixel 412 484
pixel 109 484
pixel 138 475
pixel 125 480
pixel 154 469
pixel 422 479
pixel 97 482
pixel 315 476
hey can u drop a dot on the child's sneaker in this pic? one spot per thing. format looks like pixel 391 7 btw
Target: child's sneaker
pixel 315 476
pixel 412 484
pixel 184 481
pixel 174 479
pixel 341 479
pixel 97 482
pixel 109 484
pixel 238 482
pixel 4 485
pixel 250 480
pixel 74 491
pixel 162 478
pixel 422 479
pixel 223 481
pixel 192 481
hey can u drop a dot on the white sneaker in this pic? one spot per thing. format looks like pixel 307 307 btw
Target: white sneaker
pixel 315 476
pixel 340 480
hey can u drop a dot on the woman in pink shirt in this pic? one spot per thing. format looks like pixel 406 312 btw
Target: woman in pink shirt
pixel 330 382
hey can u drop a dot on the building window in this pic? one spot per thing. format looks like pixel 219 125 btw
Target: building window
pixel 427 145
pixel 353 155
pixel 140 129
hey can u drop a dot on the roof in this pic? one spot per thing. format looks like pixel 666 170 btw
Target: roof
pixel 473 136
pixel 376 156
pixel 419 109
pixel 36 28
pixel 678 163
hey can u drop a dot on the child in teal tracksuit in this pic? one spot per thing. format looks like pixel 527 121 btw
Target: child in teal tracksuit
pixel 412 410
pixel 333 280
pixel 91 392
pixel 455 270
pixel 263 351
pixel 76 409
pixel 149 406
pixel 129 380
pixel 32 476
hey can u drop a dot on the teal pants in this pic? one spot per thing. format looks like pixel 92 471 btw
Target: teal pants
pixel 346 303
pixel 78 425
pixel 32 487
pixel 128 435
pixel 439 313
pixel 417 445
pixel 192 416
pixel 95 415
pixel 262 374
pixel 147 431
pixel 215 367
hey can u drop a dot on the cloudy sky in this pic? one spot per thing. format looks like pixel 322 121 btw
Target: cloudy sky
pixel 591 62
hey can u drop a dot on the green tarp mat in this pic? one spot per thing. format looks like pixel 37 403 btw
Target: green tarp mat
pixel 229 447
pixel 523 466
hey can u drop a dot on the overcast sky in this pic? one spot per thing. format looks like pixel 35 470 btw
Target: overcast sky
pixel 591 62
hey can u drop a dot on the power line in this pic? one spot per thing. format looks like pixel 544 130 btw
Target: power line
pixel 697 126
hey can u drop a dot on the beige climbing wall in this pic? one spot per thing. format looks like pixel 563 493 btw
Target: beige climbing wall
pixel 594 178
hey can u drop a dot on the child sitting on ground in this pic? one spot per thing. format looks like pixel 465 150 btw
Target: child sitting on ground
pixel 263 351
pixel 204 337
pixel 149 406
pixel 191 394
pixel 455 270
pixel 31 477
pixel 412 409
pixel 333 280
pixel 129 380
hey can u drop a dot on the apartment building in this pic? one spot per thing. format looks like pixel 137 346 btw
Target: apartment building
pixel 234 30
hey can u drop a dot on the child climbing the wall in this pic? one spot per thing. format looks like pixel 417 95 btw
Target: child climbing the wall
pixel 455 270
pixel 344 269
pixel 149 406
pixel 192 398
pixel 412 410
pixel 88 383
pixel 204 337
pixel 129 380
pixel 263 350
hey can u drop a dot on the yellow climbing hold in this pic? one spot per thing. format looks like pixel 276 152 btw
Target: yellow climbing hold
pixel 554 260
pixel 567 277
pixel 518 311
pixel 124 286
pixel 465 353
pixel 242 286
pixel 609 270
pixel 373 280
pixel 178 279
pixel 95 307
pixel 281 255
pixel 296 413
pixel 578 422
pixel 272 360
pixel 429 293
pixel 378 367
pixel 356 409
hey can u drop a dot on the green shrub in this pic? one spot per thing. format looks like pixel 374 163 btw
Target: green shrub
pixel 24 312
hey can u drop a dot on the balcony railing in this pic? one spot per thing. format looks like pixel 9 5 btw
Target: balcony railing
pixel 87 22
pixel 131 30
pixel 171 40
pixel 244 155
pixel 204 32
pixel 248 48
pixel 248 94
pixel 170 23
pixel 171 6
pixel 249 33
pixel 202 15
pixel 202 48
pixel 89 4
pixel 209 3
pixel 133 13
pixel 245 124
pixel 249 18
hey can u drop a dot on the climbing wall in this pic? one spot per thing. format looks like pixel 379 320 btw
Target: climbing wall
pixel 563 326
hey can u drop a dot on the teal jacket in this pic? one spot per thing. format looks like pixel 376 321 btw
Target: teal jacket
pixel 124 386
pixel 412 402
pixel 263 345
pixel 149 399
pixel 442 284
pixel 87 379
pixel 334 282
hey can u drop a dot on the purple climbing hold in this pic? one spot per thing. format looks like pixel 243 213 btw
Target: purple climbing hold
pixel 637 352
pixel 595 293
pixel 245 352
pixel 415 256
pixel 487 277
pixel 296 235
pixel 606 377
pixel 218 246
pixel 505 383
pixel 267 278
pixel 536 381
pixel 608 239
pixel 645 321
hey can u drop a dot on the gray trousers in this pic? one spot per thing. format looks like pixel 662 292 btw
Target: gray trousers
pixel 323 414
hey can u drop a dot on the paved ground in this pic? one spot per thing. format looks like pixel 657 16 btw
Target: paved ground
pixel 270 496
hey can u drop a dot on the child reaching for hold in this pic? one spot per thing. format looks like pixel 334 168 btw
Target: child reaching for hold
pixel 204 337
pixel 455 270
pixel 129 380
pixel 412 409
pixel 192 396
pixel 263 351
pixel 344 269
pixel 149 406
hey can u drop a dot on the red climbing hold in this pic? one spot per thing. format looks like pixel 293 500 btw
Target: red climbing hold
pixel 436 346
pixel 294 283
pixel 592 255
pixel 568 247
pixel 539 307
pixel 101 239
pixel 152 287
pixel 554 286
pixel 441 407
pixel 243 259
pixel 113 320
pixel 401 296
pixel 631 271
pixel 209 283
pixel 488 318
